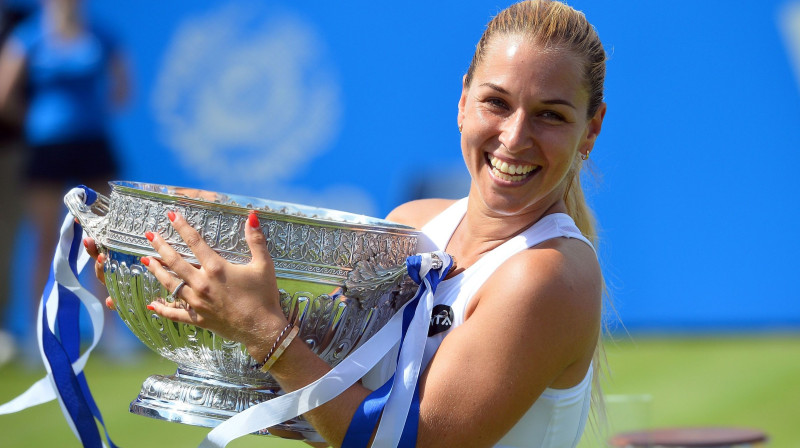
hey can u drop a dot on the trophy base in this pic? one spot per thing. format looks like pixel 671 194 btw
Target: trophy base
pixel 198 401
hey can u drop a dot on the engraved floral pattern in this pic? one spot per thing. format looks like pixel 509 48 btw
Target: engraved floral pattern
pixel 311 248
pixel 361 268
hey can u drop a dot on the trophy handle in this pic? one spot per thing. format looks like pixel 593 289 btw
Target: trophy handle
pixel 92 217
pixel 369 280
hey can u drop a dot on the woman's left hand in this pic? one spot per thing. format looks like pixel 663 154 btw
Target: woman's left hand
pixel 238 302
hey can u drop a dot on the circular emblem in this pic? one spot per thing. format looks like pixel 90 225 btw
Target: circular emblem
pixel 441 319
pixel 244 95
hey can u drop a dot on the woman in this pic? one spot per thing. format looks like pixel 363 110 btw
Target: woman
pixel 71 75
pixel 515 368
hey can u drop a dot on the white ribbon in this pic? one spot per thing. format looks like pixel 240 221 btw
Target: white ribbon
pixel 393 419
pixel 344 375
pixel 45 389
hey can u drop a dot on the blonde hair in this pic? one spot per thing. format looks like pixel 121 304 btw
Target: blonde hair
pixel 555 25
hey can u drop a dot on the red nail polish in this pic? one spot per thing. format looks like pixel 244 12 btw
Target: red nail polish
pixel 151 307
pixel 253 220
pixel 86 243
pixel 145 261
pixel 101 258
pixel 149 236
pixel 171 215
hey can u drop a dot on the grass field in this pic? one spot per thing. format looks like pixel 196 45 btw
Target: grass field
pixel 722 381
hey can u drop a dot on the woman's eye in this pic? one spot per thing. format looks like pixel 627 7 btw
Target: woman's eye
pixel 497 102
pixel 553 116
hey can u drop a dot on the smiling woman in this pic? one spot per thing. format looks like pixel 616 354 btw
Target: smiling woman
pixel 525 109
pixel 517 319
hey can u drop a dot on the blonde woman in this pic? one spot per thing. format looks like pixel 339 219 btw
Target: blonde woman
pixel 514 366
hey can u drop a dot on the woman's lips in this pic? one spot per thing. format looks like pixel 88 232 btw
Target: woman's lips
pixel 511 172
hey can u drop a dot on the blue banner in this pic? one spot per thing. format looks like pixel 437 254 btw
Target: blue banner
pixel 334 104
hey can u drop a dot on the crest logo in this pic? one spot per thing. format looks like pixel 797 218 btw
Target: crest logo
pixel 245 97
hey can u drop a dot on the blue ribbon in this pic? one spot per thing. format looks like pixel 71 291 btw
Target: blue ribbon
pixel 61 346
pixel 366 416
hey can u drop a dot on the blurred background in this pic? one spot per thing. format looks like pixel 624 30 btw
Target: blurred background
pixel 353 106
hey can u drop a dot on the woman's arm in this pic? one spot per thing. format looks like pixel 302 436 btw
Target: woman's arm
pixel 12 68
pixel 120 81
pixel 534 324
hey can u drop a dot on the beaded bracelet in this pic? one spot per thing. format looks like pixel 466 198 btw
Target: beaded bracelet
pixel 260 366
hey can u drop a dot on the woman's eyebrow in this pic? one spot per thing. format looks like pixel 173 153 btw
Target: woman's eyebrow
pixel 499 89
pixel 494 86
pixel 559 101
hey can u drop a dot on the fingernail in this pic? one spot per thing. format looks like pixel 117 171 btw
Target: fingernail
pixel 149 236
pixel 86 243
pixel 253 219
pixel 151 307
pixel 145 261
pixel 110 303
pixel 101 258
pixel 171 215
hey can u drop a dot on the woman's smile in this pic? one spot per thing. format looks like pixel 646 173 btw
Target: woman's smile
pixel 511 172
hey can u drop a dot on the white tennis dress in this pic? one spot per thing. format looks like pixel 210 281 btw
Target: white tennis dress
pixel 558 417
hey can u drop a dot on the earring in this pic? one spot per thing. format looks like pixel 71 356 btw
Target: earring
pixel 585 156
pixel 459 127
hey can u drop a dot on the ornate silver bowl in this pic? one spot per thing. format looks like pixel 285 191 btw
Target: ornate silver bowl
pixel 341 277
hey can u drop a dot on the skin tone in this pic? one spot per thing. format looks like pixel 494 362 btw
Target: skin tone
pixel 526 106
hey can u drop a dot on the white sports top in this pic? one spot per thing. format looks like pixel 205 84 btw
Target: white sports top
pixel 558 417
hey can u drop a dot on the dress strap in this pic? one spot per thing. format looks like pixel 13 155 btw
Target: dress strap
pixel 556 225
pixel 440 229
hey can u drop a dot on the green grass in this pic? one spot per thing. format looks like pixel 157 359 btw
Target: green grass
pixel 738 381
pixel 729 381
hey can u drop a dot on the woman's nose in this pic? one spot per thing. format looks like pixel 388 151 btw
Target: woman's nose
pixel 516 133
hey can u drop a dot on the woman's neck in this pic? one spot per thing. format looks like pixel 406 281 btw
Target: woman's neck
pixel 481 231
pixel 64 18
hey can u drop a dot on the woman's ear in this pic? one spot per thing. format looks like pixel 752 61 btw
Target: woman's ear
pixel 593 128
pixel 462 102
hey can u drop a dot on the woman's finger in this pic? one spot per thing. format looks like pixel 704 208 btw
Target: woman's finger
pixel 91 247
pixel 99 271
pixel 176 314
pixel 170 282
pixel 201 250
pixel 99 259
pixel 256 240
pixel 171 258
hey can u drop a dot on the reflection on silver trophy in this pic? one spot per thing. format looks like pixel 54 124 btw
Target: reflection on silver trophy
pixel 341 278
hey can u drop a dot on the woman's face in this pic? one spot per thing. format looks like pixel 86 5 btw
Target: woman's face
pixel 523 120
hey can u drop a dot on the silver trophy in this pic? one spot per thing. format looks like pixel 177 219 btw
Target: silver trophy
pixel 341 277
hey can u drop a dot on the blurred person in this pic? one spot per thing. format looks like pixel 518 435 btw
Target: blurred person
pixel 61 76
pixel 11 147
pixel 516 366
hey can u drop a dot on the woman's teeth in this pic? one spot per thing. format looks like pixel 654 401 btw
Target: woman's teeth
pixel 510 173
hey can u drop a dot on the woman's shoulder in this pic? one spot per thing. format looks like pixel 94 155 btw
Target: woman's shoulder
pixel 560 272
pixel 417 213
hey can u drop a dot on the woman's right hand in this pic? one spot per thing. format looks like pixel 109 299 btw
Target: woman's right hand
pixel 99 259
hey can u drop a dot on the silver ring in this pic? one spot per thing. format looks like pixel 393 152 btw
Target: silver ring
pixel 174 295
